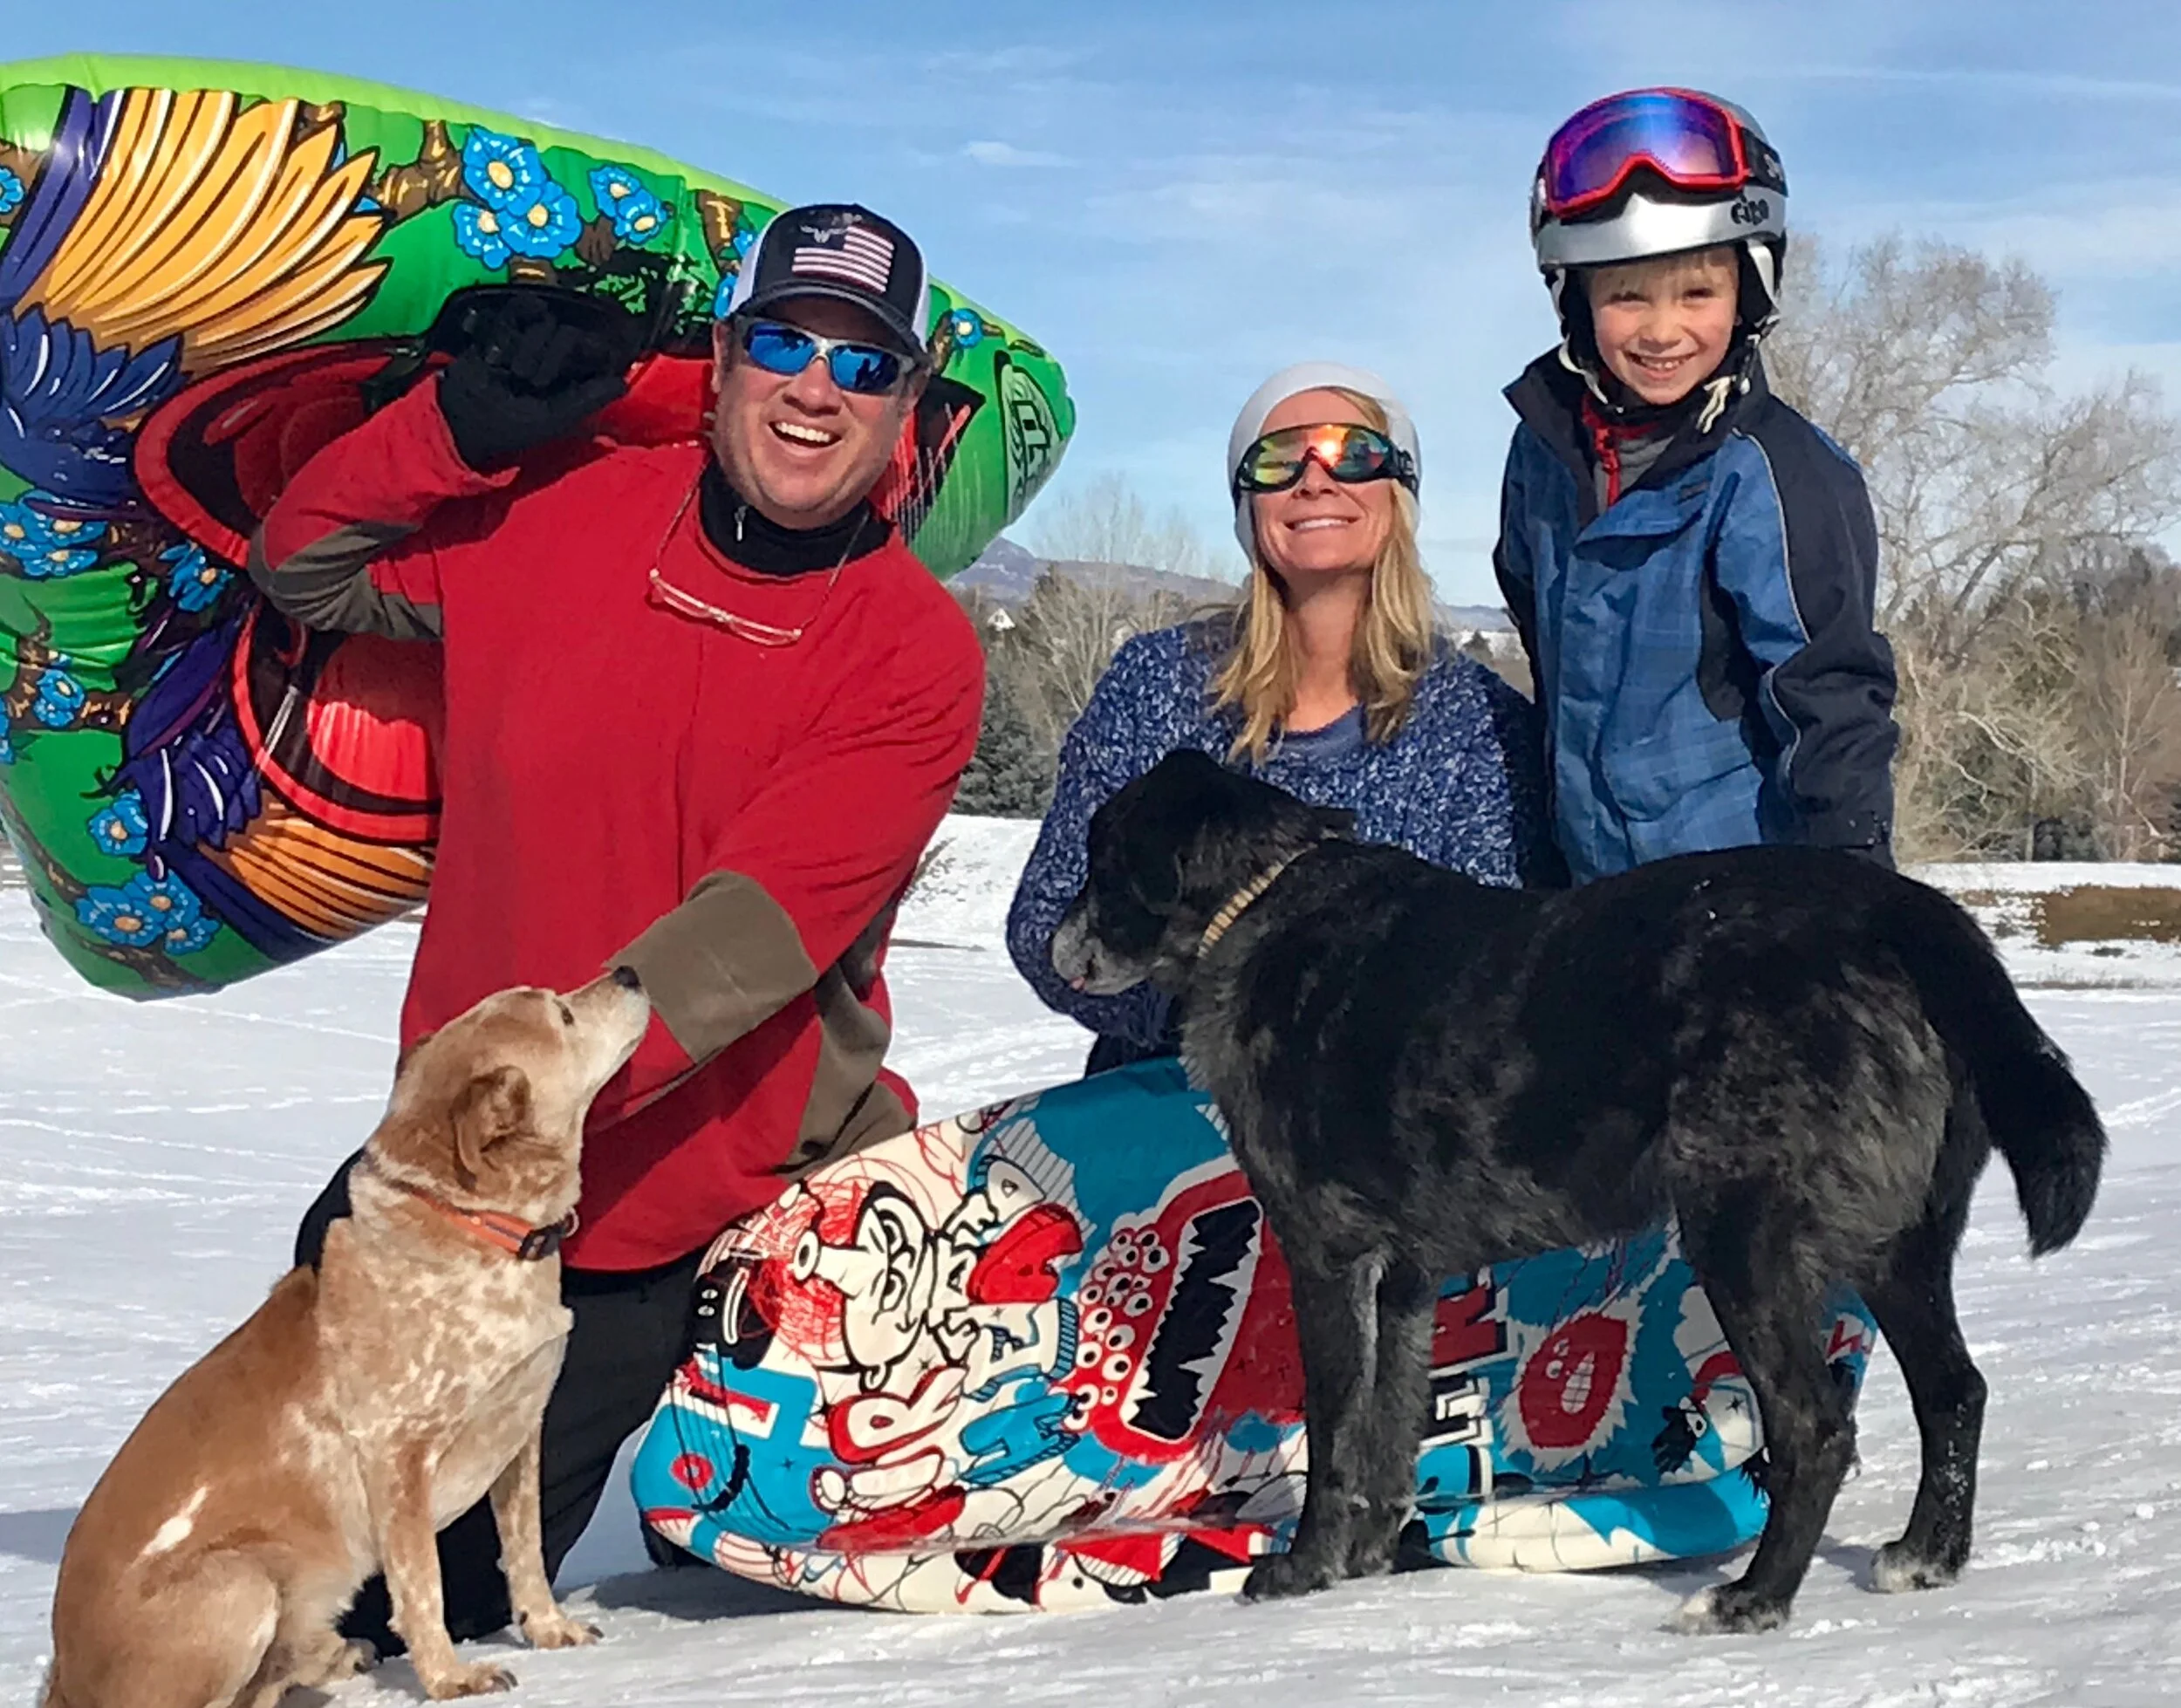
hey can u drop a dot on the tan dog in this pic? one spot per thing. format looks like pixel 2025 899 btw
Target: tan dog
pixel 365 1404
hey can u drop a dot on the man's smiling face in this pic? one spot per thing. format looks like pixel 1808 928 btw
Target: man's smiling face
pixel 803 450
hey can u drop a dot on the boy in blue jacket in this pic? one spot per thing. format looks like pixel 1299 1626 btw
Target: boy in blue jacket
pixel 1692 564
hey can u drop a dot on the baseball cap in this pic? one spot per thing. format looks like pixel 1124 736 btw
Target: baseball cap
pixel 845 252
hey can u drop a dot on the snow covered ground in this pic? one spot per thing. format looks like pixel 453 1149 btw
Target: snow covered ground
pixel 2114 926
pixel 154 1159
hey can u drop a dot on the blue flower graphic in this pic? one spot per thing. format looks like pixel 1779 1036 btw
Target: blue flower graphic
pixel 122 828
pixel 477 231
pixel 187 939
pixel 638 216
pixel 723 299
pixel 168 899
pixel 52 563
pixel 11 191
pixel 45 546
pixel 61 698
pixel 147 910
pixel 612 184
pixel 543 226
pixel 117 917
pixel 7 749
pixel 196 580
pixel 502 172
pixel 968 328
pixel 638 222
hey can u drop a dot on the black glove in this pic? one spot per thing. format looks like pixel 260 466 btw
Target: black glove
pixel 531 368
pixel 1686 1424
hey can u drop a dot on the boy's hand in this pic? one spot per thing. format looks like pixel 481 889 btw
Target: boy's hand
pixel 527 375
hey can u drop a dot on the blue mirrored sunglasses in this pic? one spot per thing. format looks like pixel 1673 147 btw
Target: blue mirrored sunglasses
pixel 865 369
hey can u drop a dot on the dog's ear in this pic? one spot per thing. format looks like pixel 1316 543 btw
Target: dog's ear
pixel 401 1059
pixel 492 1107
pixel 1158 881
pixel 1193 765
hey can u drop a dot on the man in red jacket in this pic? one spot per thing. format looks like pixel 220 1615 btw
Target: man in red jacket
pixel 703 711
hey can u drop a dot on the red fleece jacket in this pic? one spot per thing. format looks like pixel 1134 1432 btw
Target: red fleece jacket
pixel 603 755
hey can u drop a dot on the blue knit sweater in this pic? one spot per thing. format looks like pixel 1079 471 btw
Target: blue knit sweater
pixel 1460 784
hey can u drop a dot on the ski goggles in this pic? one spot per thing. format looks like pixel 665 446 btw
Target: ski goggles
pixel 865 369
pixel 1351 453
pixel 1690 140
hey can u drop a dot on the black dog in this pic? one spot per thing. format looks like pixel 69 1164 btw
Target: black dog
pixel 1803 1059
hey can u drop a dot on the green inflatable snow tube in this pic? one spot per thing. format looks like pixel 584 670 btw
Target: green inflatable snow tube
pixel 207 272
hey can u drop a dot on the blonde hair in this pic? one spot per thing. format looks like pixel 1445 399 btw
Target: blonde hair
pixel 1392 646
pixel 1606 277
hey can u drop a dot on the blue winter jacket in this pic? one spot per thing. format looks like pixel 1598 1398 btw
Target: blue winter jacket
pixel 1459 785
pixel 1704 648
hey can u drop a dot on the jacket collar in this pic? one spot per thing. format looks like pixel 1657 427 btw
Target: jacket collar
pixel 744 535
pixel 1549 397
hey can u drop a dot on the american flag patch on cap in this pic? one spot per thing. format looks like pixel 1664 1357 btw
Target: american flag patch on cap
pixel 855 253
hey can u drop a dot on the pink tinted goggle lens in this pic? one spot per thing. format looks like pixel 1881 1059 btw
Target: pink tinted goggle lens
pixel 1690 142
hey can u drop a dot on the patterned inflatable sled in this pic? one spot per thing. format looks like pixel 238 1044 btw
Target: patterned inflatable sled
pixel 207 272
pixel 1042 1357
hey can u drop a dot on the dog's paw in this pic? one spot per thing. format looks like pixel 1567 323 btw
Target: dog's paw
pixel 1721 1610
pixel 1278 1576
pixel 1899 1568
pixel 557 1631
pixel 330 1660
pixel 485 1679
pixel 1373 1555
pixel 346 1659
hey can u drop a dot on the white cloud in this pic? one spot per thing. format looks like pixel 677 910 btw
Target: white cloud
pixel 1022 60
pixel 1006 153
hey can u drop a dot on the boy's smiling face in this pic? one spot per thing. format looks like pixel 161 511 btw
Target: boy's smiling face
pixel 1663 326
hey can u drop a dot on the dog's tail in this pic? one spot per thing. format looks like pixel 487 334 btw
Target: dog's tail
pixel 2035 1108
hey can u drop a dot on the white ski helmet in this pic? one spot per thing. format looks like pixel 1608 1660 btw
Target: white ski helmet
pixel 1654 172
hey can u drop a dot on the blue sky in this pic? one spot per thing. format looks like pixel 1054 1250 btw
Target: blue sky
pixel 1178 198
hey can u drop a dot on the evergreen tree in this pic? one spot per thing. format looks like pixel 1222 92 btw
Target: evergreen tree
pixel 1011 775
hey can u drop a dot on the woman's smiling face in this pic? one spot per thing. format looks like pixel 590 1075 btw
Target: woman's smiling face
pixel 1318 527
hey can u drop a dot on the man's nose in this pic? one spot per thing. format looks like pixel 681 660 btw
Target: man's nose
pixel 814 388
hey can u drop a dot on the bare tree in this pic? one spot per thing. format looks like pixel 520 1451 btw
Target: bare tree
pixel 1065 635
pixel 2034 635
pixel 2129 710
pixel 1987 746
pixel 1931 364
pixel 1108 523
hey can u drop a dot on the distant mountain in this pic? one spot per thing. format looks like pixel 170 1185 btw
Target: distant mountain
pixel 1472 619
pixel 1006 573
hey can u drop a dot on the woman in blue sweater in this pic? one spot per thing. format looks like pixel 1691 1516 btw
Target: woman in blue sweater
pixel 1327 679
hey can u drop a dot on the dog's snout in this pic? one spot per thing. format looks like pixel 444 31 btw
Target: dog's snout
pixel 625 977
pixel 1071 947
